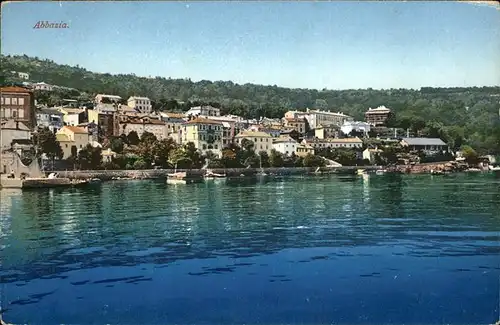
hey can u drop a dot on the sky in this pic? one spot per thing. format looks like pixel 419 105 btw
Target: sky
pixel 333 45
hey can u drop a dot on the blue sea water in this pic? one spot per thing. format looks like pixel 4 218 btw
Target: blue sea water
pixel 392 249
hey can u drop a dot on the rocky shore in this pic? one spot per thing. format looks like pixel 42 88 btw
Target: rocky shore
pixel 429 168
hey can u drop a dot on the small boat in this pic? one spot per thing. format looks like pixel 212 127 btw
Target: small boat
pixel 494 168
pixel 181 178
pixel 360 172
pixel 175 181
pixel 79 183
pixel 211 175
pixel 380 172
pixel 437 172
pixel 473 170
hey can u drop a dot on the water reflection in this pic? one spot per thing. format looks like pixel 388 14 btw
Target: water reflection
pixel 48 232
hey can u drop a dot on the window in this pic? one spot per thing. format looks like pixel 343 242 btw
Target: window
pixel 7 101
pixel 215 147
pixel 14 113
pixel 14 101
pixel 66 145
pixel 2 101
pixel 21 101
pixel 204 147
pixel 21 113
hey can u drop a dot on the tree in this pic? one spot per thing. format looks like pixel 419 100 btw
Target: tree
pixel 161 151
pixel 90 158
pixel 313 161
pixel 148 137
pixel 117 145
pixel 264 159
pixel 140 164
pixel 230 157
pixel 389 155
pixel 133 138
pixel 470 155
pixel 46 142
pixel 276 159
pixel 212 160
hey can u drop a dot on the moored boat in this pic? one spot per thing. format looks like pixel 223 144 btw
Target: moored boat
pixel 209 174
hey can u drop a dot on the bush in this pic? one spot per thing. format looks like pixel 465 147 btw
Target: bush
pixel 139 164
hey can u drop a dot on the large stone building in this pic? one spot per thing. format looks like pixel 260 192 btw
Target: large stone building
pixel 377 116
pixel 142 125
pixel 140 104
pixel 298 124
pixel 72 136
pixel 11 130
pixel 206 135
pixel 261 141
pixel 316 118
pixel 18 103
pixel 101 98
pixel 203 111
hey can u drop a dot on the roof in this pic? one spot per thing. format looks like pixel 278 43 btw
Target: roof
pixel 22 141
pixel 201 120
pixel 380 109
pixel 72 110
pixel 49 111
pixel 292 119
pixel 146 120
pixel 137 97
pixel 14 89
pixel 424 141
pixel 345 140
pixel 254 134
pixel 173 115
pixel 104 95
pixel 14 125
pixel 62 137
pixel 126 108
pixel 105 107
pixel 284 139
pixel 76 129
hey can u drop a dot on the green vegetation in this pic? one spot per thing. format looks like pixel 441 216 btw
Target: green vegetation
pixel 460 116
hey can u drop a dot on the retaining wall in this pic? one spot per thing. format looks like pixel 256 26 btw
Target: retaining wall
pixel 161 173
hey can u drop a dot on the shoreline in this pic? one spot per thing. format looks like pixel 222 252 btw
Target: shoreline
pixel 428 168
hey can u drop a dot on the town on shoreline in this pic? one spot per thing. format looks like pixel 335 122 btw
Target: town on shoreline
pixel 113 133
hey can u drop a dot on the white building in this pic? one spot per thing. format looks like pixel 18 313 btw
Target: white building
pixel 72 116
pixel 43 86
pixel 334 143
pixel 141 104
pixel 49 118
pixel 285 145
pixel 325 118
pixel 113 98
pixel 350 126
pixel 23 75
pixel 203 111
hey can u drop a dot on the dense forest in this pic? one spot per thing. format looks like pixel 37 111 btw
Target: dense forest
pixel 460 115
